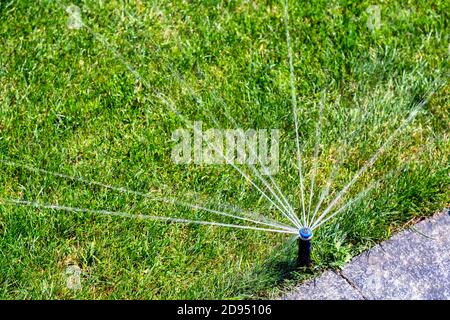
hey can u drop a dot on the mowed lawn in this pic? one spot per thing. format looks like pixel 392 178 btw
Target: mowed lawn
pixel 93 103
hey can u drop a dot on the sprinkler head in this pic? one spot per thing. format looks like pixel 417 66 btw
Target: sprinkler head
pixel 305 233
pixel 304 247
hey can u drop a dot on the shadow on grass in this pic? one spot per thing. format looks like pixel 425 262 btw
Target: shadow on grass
pixel 278 270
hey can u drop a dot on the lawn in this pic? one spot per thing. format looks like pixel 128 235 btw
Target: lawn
pixel 100 102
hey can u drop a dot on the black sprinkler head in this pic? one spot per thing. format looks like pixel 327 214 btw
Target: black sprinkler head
pixel 304 247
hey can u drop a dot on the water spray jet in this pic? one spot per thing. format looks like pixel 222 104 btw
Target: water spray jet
pixel 304 247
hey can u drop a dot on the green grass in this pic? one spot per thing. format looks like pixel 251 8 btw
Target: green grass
pixel 67 104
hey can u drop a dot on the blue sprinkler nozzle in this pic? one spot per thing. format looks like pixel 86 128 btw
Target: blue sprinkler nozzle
pixel 304 247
